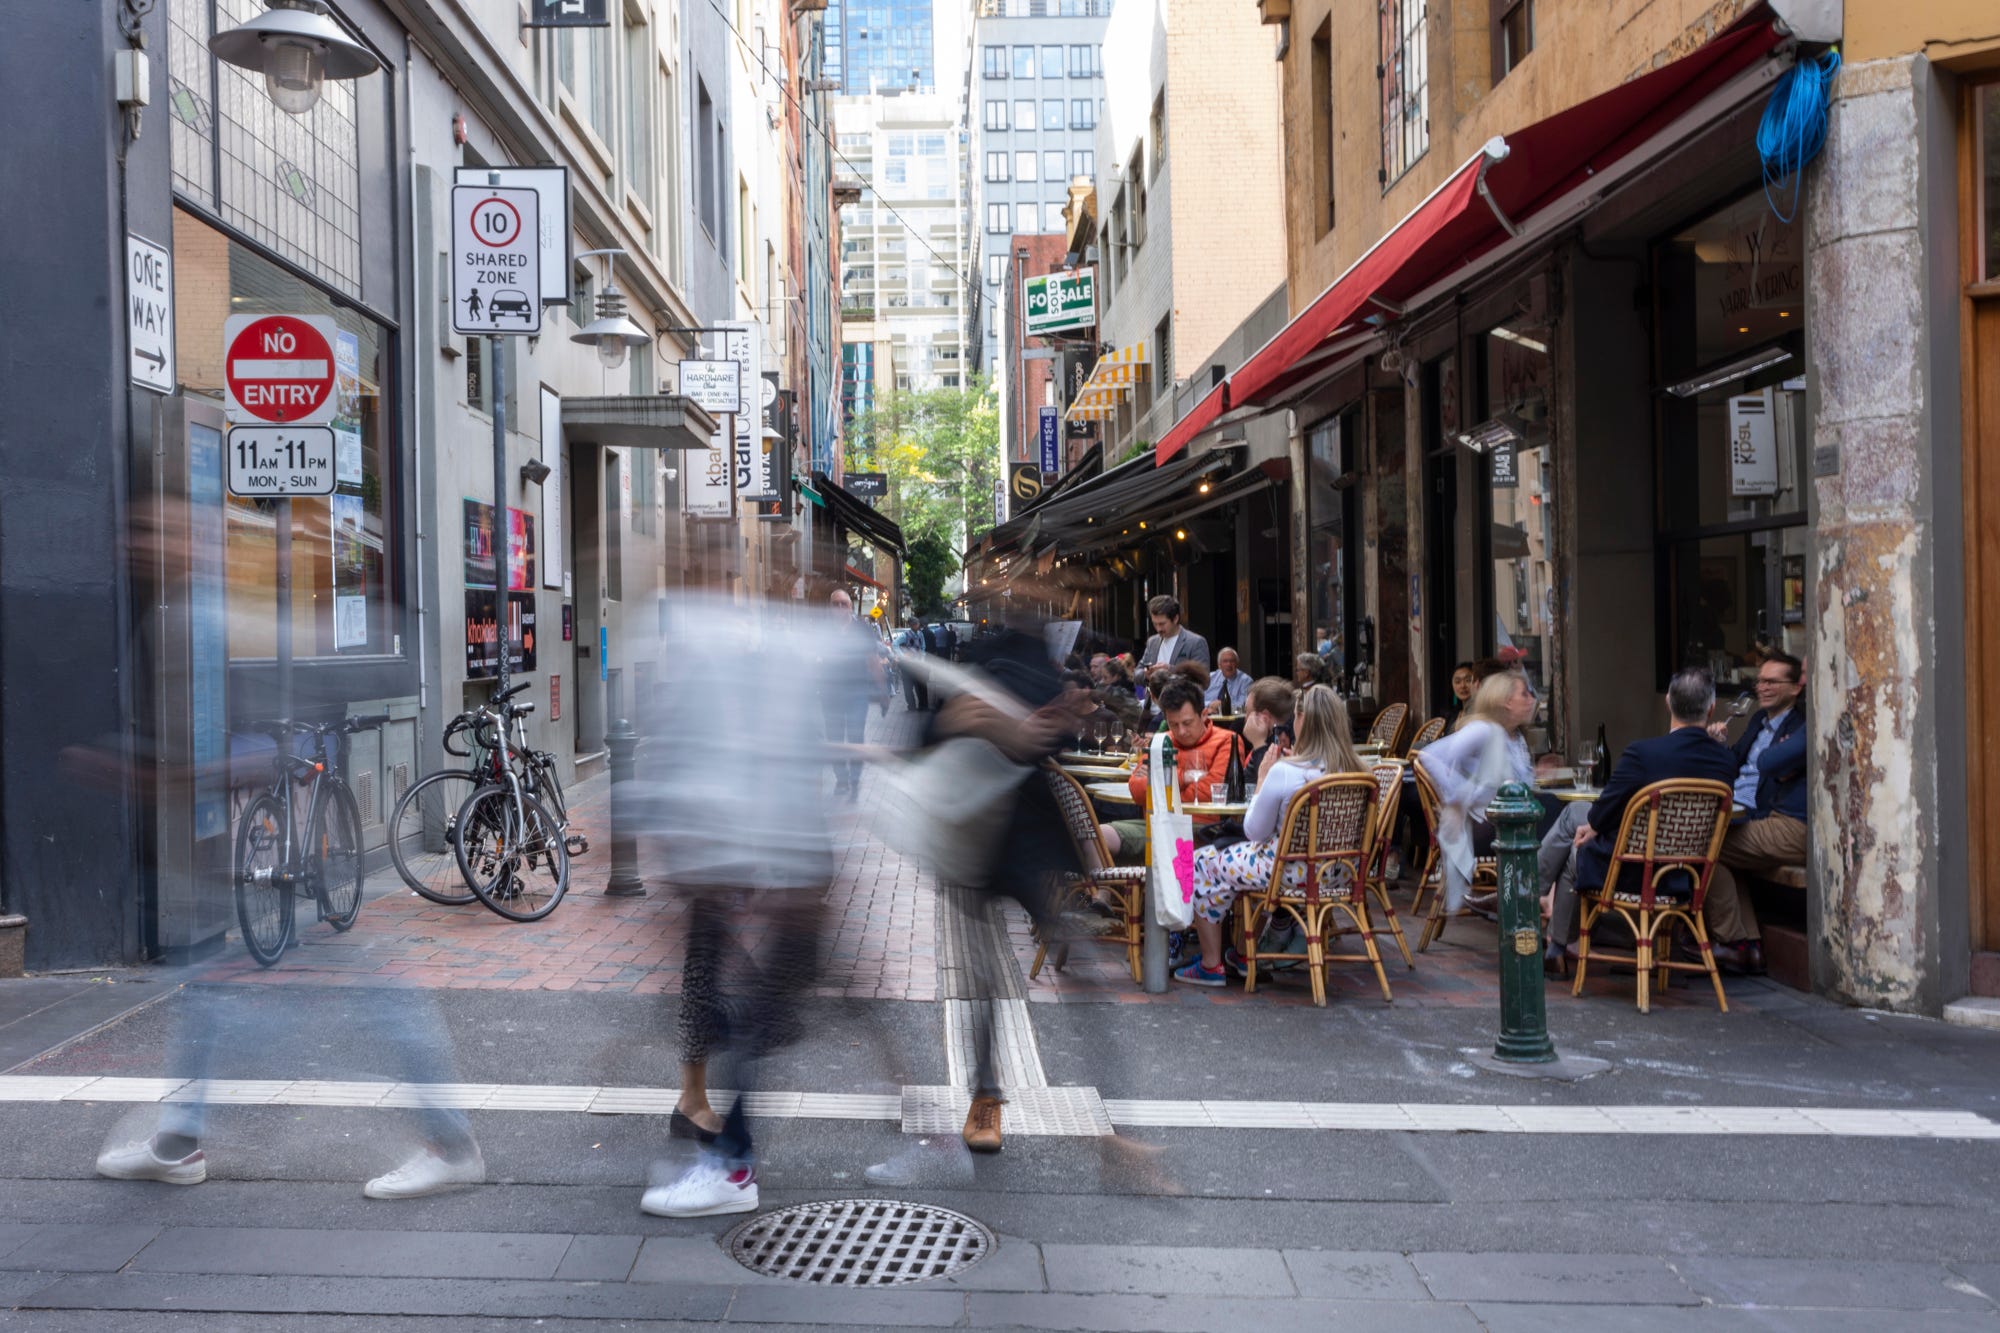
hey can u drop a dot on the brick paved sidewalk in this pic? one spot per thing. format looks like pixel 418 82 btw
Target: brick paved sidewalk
pixel 882 931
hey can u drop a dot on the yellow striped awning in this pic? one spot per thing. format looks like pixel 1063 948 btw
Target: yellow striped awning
pixel 1110 382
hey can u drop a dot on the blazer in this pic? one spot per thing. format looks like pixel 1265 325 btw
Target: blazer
pixel 1685 752
pixel 1781 788
pixel 1190 647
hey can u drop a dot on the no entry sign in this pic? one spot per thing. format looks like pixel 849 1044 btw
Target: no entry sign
pixel 279 368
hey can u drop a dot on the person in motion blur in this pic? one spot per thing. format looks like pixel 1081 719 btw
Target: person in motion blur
pixel 1201 759
pixel 744 834
pixel 1015 701
pixel 1221 873
pixel 1468 764
pixel 851 676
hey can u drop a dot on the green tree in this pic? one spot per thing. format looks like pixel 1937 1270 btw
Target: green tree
pixel 930 563
pixel 940 449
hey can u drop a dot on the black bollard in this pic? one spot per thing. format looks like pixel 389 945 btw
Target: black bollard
pixel 1524 1028
pixel 622 743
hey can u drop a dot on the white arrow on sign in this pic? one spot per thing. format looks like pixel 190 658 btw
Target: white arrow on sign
pixel 149 313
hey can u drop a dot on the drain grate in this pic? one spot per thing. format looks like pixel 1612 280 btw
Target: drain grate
pixel 860 1243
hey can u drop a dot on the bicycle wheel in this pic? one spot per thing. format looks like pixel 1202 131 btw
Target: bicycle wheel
pixel 514 858
pixel 423 837
pixel 263 898
pixel 335 858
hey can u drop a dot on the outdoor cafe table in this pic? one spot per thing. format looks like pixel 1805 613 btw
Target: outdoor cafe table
pixel 1093 771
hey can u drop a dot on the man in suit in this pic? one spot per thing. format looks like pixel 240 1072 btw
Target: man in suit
pixel 1770 782
pixel 1171 643
pixel 1577 852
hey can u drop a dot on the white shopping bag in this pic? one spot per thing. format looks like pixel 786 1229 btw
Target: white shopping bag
pixel 1170 860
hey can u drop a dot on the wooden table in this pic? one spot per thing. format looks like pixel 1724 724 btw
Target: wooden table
pixel 1087 757
pixel 1111 791
pixel 1092 771
pixel 1225 809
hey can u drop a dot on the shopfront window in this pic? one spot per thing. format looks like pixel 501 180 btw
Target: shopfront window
pixel 342 555
pixel 1987 147
pixel 1520 494
pixel 1732 469
pixel 1334 586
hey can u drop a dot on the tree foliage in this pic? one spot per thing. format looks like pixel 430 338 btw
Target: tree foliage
pixel 929 565
pixel 940 449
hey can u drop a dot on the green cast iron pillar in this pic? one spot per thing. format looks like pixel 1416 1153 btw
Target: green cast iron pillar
pixel 1524 1021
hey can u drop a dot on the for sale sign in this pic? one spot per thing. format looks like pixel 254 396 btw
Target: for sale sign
pixel 278 369
pixel 1060 302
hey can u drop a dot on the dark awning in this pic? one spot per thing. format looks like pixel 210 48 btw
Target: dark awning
pixel 638 421
pixel 854 515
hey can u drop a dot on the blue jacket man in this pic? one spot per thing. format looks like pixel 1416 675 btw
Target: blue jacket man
pixel 1771 784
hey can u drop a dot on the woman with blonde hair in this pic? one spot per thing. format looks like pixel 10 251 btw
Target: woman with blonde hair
pixel 1484 749
pixel 1221 873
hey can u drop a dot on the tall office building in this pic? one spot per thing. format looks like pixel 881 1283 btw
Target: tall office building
pixel 1037 95
pixel 905 263
pixel 881 45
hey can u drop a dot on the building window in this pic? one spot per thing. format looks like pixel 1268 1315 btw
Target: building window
pixel 1052 62
pixel 1024 114
pixel 1052 113
pixel 1083 62
pixel 1052 164
pixel 1082 114
pixel 996 166
pixel 1324 175
pixel 345 551
pixel 1405 78
pixel 1158 128
pixel 996 62
pixel 1163 356
pixel 1025 218
pixel 1024 165
pixel 1024 62
pixel 639 113
pixel 930 145
pixel 1083 162
pixel 1513 34
pixel 1052 219
pixel 996 269
pixel 707 162
pixel 996 218
pixel 1334 544
pixel 996 113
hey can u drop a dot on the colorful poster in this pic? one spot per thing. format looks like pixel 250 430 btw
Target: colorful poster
pixel 347 409
pixel 482 633
pixel 350 572
pixel 480 566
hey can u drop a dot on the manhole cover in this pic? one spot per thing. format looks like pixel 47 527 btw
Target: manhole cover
pixel 860 1243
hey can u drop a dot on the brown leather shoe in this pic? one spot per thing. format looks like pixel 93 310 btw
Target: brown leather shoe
pixel 982 1125
pixel 1743 959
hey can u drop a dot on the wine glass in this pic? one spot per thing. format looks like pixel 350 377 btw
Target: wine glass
pixel 1586 766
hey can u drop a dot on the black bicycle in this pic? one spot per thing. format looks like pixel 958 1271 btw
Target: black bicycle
pixel 281 857
pixel 512 849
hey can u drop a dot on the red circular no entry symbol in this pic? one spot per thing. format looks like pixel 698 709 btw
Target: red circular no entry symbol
pixel 495 222
pixel 279 368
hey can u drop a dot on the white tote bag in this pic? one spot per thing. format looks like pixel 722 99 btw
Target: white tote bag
pixel 1170 865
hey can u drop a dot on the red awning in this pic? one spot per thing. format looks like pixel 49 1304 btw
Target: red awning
pixel 858 576
pixel 1194 423
pixel 1478 208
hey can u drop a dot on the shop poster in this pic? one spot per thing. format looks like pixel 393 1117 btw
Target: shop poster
pixel 482 606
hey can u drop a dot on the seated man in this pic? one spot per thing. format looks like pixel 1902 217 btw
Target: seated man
pixel 1227 685
pixel 1771 783
pixel 1576 853
pixel 1199 749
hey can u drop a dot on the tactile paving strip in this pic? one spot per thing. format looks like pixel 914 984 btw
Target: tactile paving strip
pixel 860 1243
pixel 1069 1112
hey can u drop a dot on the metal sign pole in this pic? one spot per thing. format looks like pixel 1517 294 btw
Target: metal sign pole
pixel 502 600
pixel 284 643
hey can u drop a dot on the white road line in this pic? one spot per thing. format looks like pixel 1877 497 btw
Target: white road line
pixel 1068 1109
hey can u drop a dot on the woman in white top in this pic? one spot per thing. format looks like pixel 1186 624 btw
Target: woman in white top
pixel 1483 750
pixel 1221 873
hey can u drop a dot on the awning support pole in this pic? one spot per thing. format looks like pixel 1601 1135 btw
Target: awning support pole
pixel 1495 151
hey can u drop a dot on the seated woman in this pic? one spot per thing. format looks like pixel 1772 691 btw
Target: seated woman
pixel 1484 749
pixel 1221 873
pixel 1309 669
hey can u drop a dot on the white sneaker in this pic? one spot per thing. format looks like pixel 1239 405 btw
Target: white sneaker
pixel 138 1161
pixel 931 1162
pixel 426 1173
pixel 708 1188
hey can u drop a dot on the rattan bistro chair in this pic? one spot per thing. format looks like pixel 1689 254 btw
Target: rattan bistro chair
pixel 1329 832
pixel 1387 728
pixel 1389 785
pixel 1427 733
pixel 1667 845
pixel 1485 869
pixel 1127 884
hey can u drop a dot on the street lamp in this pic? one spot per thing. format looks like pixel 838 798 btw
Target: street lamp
pixel 612 331
pixel 297 46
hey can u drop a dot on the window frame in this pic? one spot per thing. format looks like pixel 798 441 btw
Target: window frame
pixel 996 158
pixel 1088 120
pixel 1504 60
pixel 1022 53
pixel 1404 47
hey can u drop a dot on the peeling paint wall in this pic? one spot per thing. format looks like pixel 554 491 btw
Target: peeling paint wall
pixel 1875 808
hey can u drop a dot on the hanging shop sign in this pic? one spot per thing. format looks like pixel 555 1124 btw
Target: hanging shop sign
pixel 569 14
pixel 1753 450
pixel 1050 422
pixel 713 386
pixel 1060 302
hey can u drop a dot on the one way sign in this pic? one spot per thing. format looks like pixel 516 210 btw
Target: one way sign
pixel 149 313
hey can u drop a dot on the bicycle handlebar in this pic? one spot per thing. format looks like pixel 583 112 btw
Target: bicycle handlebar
pixel 510 692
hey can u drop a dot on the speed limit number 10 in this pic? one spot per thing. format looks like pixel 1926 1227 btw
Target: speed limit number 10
pixel 496 260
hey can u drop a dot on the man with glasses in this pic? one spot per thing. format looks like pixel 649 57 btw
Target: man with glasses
pixel 1771 785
